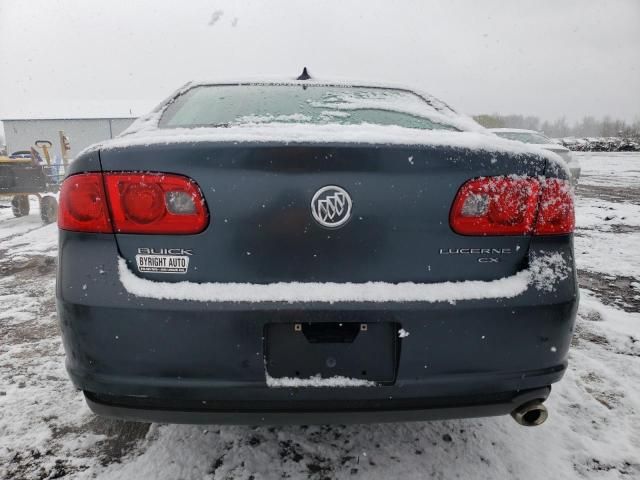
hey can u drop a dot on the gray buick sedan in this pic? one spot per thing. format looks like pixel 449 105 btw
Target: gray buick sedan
pixel 312 252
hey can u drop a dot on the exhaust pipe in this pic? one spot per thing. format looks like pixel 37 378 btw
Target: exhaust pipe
pixel 531 414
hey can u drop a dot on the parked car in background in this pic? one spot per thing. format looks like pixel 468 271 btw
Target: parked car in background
pixel 539 139
pixel 298 252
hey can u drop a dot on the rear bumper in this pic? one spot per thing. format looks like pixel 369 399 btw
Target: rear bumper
pixel 197 367
pixel 198 362
pixel 257 412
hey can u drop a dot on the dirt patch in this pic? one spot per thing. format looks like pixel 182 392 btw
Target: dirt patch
pixel 121 437
pixel 40 465
pixel 613 194
pixel 628 469
pixel 611 228
pixel 612 290
pixel 43 265
pixel 27 332
pixel 601 391
pixel 584 334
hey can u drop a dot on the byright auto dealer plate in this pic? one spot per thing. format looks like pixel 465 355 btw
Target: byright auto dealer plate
pixel 163 263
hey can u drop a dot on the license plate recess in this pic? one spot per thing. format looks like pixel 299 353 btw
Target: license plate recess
pixel 367 351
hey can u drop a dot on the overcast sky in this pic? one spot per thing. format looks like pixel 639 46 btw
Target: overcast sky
pixel 545 57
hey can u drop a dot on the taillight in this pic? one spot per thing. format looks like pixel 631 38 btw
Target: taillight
pixel 495 206
pixel 83 204
pixel 144 203
pixel 556 212
pixel 513 206
pixel 158 203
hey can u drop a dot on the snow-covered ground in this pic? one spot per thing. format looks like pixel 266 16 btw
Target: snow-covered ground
pixel 46 431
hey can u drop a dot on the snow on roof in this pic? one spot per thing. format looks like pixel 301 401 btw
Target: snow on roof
pixel 512 130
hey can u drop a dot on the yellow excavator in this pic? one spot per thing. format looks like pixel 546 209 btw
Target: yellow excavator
pixel 27 172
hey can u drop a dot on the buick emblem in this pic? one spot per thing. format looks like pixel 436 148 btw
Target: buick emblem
pixel 331 206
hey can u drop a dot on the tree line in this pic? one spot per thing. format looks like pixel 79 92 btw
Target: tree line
pixel 587 127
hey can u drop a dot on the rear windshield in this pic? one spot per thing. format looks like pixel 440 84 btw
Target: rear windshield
pixel 232 105
pixel 525 137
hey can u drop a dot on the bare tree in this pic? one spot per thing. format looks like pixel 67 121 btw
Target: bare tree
pixel 589 126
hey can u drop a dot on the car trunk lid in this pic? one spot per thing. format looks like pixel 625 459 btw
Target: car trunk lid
pixel 262 228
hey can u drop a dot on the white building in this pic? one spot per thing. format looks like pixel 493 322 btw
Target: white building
pixel 2 142
pixel 22 133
